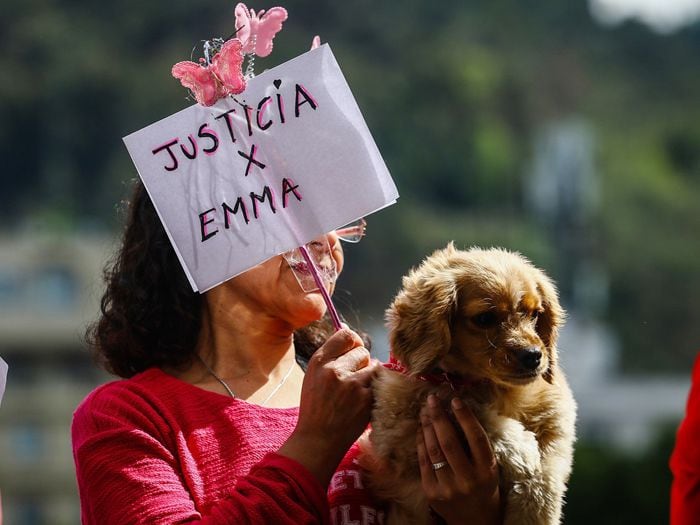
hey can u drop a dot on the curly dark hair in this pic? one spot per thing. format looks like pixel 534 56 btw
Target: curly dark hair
pixel 150 315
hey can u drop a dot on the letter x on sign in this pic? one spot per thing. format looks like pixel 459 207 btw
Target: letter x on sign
pixel 251 159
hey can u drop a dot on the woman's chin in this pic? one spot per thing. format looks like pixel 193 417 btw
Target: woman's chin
pixel 315 307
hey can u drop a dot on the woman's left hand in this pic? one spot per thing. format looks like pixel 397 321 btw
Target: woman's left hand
pixel 459 484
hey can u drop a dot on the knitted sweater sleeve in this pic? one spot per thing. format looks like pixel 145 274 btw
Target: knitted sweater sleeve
pixel 128 474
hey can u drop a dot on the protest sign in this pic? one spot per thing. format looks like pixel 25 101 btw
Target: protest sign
pixel 262 172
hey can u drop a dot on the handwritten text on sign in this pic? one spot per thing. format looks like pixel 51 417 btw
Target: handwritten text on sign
pixel 264 172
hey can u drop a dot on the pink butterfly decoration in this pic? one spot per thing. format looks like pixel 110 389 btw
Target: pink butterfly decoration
pixel 316 42
pixel 220 78
pixel 256 31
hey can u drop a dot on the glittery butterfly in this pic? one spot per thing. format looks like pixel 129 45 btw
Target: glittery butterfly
pixel 223 76
pixel 256 31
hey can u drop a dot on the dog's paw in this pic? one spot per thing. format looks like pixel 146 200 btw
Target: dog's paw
pixel 516 449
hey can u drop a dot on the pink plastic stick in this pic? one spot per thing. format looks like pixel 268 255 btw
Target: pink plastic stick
pixel 319 282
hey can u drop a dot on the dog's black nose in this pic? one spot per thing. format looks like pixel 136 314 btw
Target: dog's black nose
pixel 529 358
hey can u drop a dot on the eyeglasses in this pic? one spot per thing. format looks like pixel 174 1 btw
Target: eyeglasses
pixel 321 256
pixel 320 252
pixel 352 232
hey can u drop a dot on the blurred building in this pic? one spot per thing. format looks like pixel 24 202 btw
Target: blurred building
pixel 562 191
pixel 49 291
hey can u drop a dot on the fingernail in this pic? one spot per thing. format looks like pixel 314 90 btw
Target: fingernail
pixel 457 403
pixel 432 401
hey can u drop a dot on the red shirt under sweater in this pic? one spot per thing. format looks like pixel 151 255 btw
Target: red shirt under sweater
pixel 156 450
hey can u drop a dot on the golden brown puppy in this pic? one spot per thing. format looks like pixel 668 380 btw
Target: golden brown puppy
pixel 489 318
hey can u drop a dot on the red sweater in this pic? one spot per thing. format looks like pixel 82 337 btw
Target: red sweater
pixel 685 460
pixel 156 450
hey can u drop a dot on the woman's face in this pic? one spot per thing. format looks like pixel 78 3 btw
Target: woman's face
pixel 272 288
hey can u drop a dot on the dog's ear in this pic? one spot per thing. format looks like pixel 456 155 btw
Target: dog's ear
pixel 419 318
pixel 549 322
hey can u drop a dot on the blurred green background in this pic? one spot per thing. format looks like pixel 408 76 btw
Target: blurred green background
pixel 559 129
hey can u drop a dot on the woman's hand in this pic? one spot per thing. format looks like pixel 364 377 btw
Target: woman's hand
pixel 336 403
pixel 460 484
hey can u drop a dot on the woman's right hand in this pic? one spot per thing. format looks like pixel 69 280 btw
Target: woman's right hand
pixel 336 403
pixel 466 481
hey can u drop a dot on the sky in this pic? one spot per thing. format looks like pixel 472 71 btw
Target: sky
pixel 663 16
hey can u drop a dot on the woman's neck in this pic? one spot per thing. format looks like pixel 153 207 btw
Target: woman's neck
pixel 251 351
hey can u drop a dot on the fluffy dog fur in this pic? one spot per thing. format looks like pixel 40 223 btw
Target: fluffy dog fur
pixel 474 314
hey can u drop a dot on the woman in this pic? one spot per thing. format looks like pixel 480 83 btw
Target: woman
pixel 217 422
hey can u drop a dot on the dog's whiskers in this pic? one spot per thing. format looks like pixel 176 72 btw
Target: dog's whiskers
pixel 485 349
pixel 491 343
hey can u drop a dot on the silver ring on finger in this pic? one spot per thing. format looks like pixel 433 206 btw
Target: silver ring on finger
pixel 439 465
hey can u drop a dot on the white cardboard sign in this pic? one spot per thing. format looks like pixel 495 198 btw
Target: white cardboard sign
pixel 263 172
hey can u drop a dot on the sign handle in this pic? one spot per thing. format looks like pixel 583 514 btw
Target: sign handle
pixel 319 282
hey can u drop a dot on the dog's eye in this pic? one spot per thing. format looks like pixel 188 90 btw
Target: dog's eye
pixel 534 315
pixel 485 319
